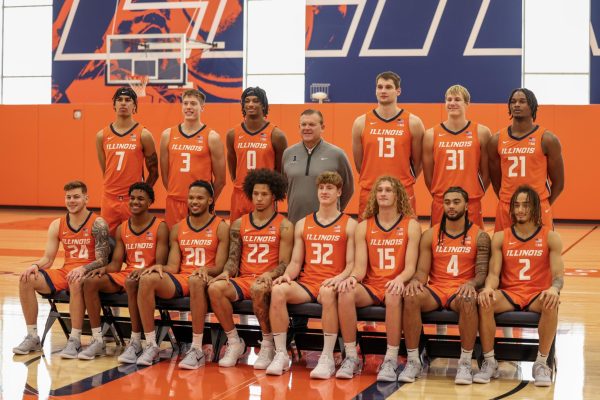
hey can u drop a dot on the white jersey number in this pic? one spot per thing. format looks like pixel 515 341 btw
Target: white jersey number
pixel 517 168
pixel 456 159
pixel 137 257
pixel 526 265
pixel 186 162
pixel 452 268
pixel 386 147
pixel 121 155
pixel 256 255
pixel 322 252
pixel 195 256
pixel 251 159
pixel 76 251
pixel 387 258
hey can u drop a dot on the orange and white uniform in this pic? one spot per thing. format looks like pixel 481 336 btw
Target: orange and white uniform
pixel 253 150
pixel 140 249
pixel 387 254
pixel 387 150
pixel 260 252
pixel 456 161
pixel 189 161
pixel 525 267
pixel 522 162
pixel 452 263
pixel 80 249
pixel 198 248
pixel 124 166
pixel 324 252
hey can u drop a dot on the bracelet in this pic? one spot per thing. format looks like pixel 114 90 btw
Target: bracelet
pixel 37 265
pixel 355 278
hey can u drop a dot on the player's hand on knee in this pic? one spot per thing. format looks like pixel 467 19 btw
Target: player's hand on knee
pixel 155 268
pixel 265 279
pixel 223 276
pixel 201 272
pixel 334 282
pixel 395 286
pixel 347 284
pixel 27 274
pixel 486 297
pixel 413 288
pixel 96 273
pixel 285 278
pixel 76 275
pixel 550 298
pixel 467 291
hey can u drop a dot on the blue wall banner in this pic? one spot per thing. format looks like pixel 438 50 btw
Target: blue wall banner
pixel 595 52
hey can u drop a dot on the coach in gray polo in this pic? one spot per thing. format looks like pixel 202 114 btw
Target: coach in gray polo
pixel 304 161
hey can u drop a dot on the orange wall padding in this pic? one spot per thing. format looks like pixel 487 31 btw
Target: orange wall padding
pixel 43 146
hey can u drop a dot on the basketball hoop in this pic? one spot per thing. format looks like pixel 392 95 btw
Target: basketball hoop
pixel 138 83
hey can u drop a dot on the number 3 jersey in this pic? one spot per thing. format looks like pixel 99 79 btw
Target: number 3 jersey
pixel 253 150
pixel 79 244
pixel 453 258
pixel 387 251
pixel 198 247
pixel 124 159
pixel 189 161
pixel 260 245
pixel 140 247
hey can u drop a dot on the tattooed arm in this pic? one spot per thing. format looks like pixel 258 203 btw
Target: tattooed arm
pixel 469 289
pixel 150 156
pixel 286 244
pixel 102 251
pixel 232 265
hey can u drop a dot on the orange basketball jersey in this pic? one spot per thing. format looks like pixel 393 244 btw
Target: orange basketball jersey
pixel 260 245
pixel 523 161
pixel 124 159
pixel 526 263
pixel 456 160
pixel 387 149
pixel 79 244
pixel 189 160
pixel 140 247
pixel 198 247
pixel 324 248
pixel 253 150
pixel 453 258
pixel 387 250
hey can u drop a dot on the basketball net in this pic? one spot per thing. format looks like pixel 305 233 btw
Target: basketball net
pixel 138 83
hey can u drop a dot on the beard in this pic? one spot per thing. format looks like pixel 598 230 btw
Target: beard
pixel 456 217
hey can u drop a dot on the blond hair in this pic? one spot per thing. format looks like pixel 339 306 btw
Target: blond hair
pixel 331 177
pixel 461 90
pixel 402 201
pixel 194 93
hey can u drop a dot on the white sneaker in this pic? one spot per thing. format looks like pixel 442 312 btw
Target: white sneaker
pixel 95 348
pixel 131 353
pixel 149 356
pixel 464 374
pixel 542 374
pixel 193 359
pixel 412 370
pixel 280 363
pixel 72 348
pixel 265 357
pixel 488 370
pixel 387 371
pixel 325 368
pixel 233 353
pixel 30 343
pixel 350 367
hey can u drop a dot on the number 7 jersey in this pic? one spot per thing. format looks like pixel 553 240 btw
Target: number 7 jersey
pixel 124 159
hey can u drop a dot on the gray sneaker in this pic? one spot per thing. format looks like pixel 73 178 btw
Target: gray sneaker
pixel 95 348
pixel 149 356
pixel 131 352
pixel 30 343
pixel 488 370
pixel 387 371
pixel 542 374
pixel 350 367
pixel 412 370
pixel 265 357
pixel 72 348
pixel 464 374
pixel 193 359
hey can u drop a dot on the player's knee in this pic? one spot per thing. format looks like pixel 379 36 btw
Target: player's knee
pixel 346 298
pixel 132 285
pixel 278 294
pixel 466 305
pixel 28 284
pixel 411 302
pixel 258 290
pixel 392 301
pixel 196 282
pixel 549 312
pixel 76 288
pixel 327 294
pixel 214 290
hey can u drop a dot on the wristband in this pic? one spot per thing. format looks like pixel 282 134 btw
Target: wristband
pixel 37 265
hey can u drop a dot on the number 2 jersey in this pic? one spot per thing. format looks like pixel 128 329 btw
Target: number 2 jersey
pixel 260 245
pixel 253 150
pixel 124 159
pixel 198 247
pixel 79 244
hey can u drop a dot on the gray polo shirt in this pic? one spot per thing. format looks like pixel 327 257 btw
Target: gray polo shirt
pixel 302 169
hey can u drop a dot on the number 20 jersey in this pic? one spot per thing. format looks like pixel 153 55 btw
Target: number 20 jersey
pixel 198 247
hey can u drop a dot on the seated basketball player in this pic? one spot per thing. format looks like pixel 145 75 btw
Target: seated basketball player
pixel 387 248
pixel 323 256
pixel 84 237
pixel 260 249
pixel 526 273
pixel 141 241
pixel 454 256
pixel 199 245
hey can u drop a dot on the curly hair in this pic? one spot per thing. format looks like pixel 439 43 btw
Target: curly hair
pixel 534 204
pixel 331 177
pixel 402 201
pixel 276 182
pixel 144 187
pixel 262 97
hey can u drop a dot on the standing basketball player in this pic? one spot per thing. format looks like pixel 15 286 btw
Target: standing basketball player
pixel 190 151
pixel 260 249
pixel 199 245
pixel 122 148
pixel 525 154
pixel 141 241
pixel 387 248
pixel 453 256
pixel 323 256
pixel 526 273
pixel 84 237
pixel 255 143
pixel 455 154
pixel 388 139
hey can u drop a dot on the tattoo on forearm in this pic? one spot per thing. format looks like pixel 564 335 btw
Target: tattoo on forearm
pixel 102 247
pixel 235 252
pixel 279 270
pixel 152 166
pixel 558 283
pixel 483 259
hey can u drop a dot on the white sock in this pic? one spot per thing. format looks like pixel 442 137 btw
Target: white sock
pixel 197 340
pixel 267 340
pixel 75 334
pixel 466 354
pixel 413 355
pixel 136 337
pixel 542 358
pixel 150 338
pixel 280 340
pixel 392 353
pixel 32 330
pixel 489 355
pixel 350 348
pixel 97 334
pixel 232 336
pixel 329 340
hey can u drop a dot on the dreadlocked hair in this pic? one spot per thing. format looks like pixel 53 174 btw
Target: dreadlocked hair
pixel 531 101
pixel 262 97
pixel 274 180
pixel 465 195
pixel 402 201
pixel 534 204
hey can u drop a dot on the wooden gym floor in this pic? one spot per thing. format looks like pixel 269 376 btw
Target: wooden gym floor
pixel 22 238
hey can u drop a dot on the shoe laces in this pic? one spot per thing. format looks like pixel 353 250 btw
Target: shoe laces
pixel 348 363
pixel 388 363
pixel 543 369
pixel 487 366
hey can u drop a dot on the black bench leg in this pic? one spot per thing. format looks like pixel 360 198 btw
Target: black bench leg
pixel 53 316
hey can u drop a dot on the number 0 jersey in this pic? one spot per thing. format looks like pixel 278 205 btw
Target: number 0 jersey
pixel 453 258
pixel 260 245
pixel 124 159
pixel 386 249
pixel 189 160
pixel 79 244
pixel 198 247
pixel 140 247
pixel 253 150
